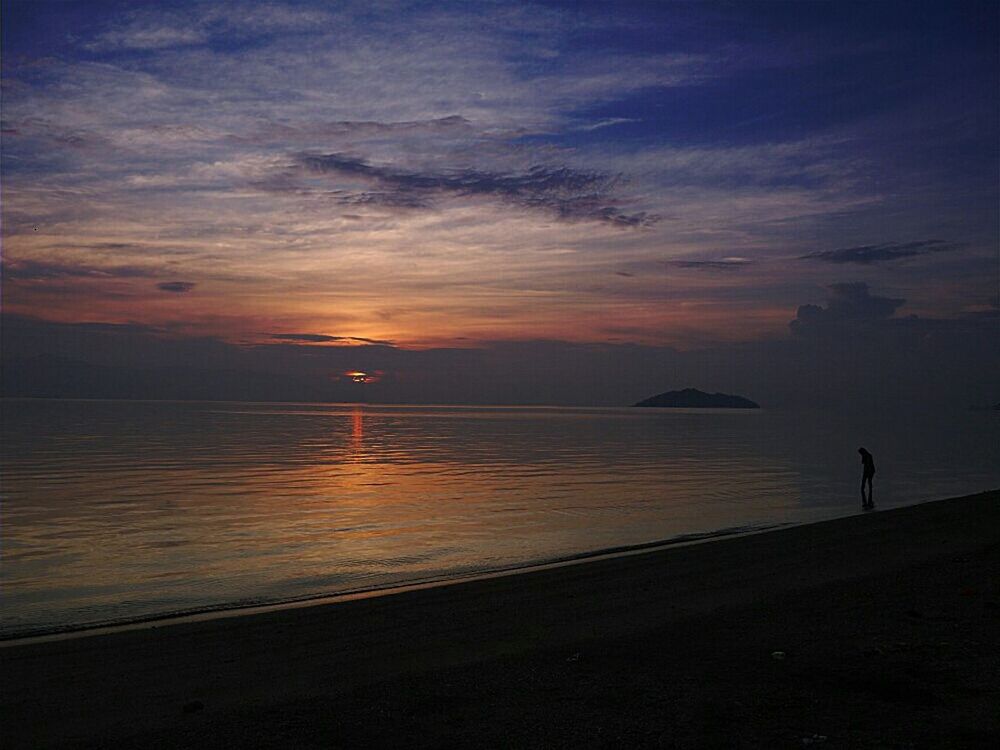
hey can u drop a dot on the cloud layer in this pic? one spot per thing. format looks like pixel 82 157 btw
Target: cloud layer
pixel 890 251
pixel 566 193
pixel 442 175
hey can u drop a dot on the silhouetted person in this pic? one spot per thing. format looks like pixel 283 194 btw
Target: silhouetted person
pixel 868 464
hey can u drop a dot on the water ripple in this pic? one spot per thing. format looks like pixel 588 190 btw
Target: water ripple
pixel 116 511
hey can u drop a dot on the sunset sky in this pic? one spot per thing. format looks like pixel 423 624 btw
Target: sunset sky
pixel 417 177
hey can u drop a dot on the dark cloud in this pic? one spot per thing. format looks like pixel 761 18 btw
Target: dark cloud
pixel 34 270
pixel 376 342
pixel 372 127
pixel 176 286
pixel 868 254
pixel 850 304
pixel 320 337
pixel 615 217
pixel 570 194
pixel 114 329
pixel 452 126
pixel 389 199
pixel 710 265
pixel 311 337
pixel 992 313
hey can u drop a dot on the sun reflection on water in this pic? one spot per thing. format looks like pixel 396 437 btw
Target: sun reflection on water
pixel 357 431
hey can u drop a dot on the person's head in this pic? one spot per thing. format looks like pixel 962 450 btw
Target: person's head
pixel 862 451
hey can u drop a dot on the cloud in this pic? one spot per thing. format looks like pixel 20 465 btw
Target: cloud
pixel 723 264
pixel 310 337
pixel 176 286
pixel 868 254
pixel 387 199
pixel 35 270
pixel 849 304
pixel 146 36
pixel 570 194
pixel 606 123
pixel 144 149
pixel 316 338
pixel 161 30
pixel 452 126
pixel 388 60
pixel 852 300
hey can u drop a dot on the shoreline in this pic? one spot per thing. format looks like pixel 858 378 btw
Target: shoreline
pixel 688 626
pixel 237 609
pixel 227 610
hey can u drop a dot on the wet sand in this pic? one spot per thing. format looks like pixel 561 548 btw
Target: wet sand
pixel 876 630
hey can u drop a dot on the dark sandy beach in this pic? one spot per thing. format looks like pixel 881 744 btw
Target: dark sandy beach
pixel 879 630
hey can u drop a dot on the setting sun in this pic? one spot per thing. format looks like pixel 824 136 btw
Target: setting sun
pixel 359 376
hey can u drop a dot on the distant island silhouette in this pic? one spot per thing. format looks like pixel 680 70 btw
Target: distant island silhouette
pixel 692 398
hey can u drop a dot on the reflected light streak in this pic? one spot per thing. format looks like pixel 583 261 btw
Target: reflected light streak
pixel 357 430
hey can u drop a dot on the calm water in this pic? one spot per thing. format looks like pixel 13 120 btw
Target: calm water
pixel 114 511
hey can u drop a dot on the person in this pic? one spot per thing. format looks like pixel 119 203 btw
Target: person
pixel 868 464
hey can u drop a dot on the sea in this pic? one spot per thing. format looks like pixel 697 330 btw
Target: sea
pixel 125 511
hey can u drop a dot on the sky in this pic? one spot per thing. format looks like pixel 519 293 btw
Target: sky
pixel 546 202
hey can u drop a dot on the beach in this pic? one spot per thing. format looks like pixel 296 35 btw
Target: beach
pixel 874 630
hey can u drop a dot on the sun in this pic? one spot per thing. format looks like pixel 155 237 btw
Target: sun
pixel 358 376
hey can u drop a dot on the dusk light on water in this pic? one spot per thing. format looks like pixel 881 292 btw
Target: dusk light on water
pixel 132 510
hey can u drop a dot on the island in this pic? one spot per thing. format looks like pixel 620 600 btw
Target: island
pixel 692 398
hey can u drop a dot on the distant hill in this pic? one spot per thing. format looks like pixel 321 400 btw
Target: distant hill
pixel 692 398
